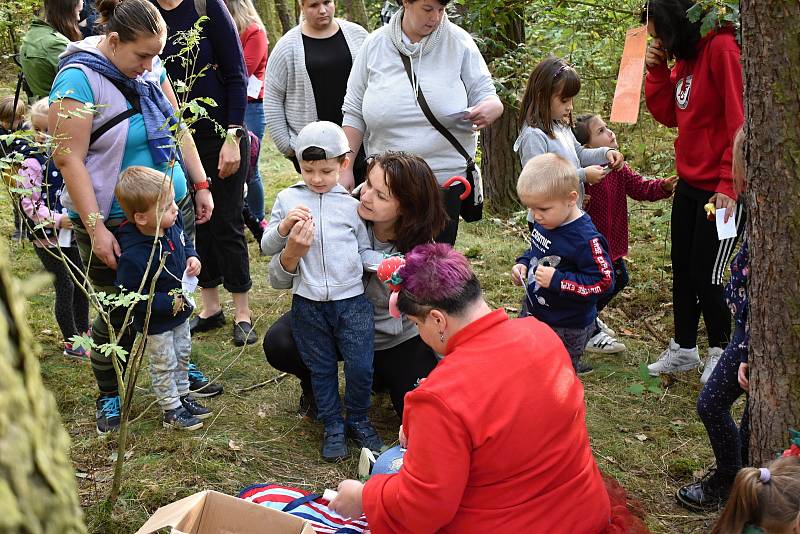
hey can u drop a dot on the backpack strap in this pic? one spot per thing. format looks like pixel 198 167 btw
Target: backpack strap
pixel 136 107
pixel 423 104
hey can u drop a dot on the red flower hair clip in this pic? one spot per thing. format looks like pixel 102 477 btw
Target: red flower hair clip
pixel 389 273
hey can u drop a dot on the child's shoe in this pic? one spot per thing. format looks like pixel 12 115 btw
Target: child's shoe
pixel 195 408
pixel 76 353
pixel 605 328
pixel 674 359
pixel 603 343
pixel 364 434
pixel 200 385
pixel 583 368
pixel 709 493
pixel 107 414
pixel 714 354
pixel 334 443
pixel 180 419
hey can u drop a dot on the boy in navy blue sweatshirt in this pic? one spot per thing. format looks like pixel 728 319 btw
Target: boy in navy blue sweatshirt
pixel 148 200
pixel 568 268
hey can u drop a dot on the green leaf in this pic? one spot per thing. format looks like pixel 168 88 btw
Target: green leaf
pixel 643 372
pixel 655 389
pixel 636 389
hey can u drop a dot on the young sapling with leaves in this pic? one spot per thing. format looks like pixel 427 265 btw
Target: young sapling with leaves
pixel 154 220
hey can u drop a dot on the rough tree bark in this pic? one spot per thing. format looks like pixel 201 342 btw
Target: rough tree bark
pixel 772 104
pixel 269 15
pixel 500 165
pixel 357 12
pixel 286 14
pixel 38 492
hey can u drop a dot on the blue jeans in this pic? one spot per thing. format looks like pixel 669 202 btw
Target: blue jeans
pixel 254 121
pixel 319 328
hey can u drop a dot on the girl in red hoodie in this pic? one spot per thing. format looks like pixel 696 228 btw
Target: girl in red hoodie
pixel 701 95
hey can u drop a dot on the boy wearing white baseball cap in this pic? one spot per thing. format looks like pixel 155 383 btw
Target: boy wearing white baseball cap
pixel 330 313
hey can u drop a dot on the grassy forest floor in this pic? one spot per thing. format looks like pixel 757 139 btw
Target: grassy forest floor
pixel 651 443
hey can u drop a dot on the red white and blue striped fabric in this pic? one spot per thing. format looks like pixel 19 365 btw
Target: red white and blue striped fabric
pixel 311 507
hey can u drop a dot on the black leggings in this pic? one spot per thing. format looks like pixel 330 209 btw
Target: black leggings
pixel 699 260
pixel 398 369
pixel 71 306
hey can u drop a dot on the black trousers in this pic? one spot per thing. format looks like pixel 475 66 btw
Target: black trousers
pixel 699 262
pixel 398 369
pixel 220 242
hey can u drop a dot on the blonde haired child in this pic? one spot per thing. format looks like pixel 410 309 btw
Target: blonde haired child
pixel 42 208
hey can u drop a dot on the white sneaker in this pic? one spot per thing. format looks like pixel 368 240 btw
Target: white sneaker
pixel 604 344
pixel 714 354
pixel 674 359
pixel 605 328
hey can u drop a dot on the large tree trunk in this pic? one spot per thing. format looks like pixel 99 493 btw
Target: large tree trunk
pixel 286 14
pixel 772 105
pixel 357 12
pixel 38 492
pixel 269 15
pixel 500 165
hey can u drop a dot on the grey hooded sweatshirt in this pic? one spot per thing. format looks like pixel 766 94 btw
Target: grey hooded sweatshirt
pixel 389 331
pixel 334 265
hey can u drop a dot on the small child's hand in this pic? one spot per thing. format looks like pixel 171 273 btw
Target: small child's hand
pixel 743 375
pixel 594 174
pixel 300 213
pixel 669 184
pixel 519 273
pixel 401 436
pixel 586 199
pixel 193 266
pixel 615 159
pixel 544 275
pixel 65 223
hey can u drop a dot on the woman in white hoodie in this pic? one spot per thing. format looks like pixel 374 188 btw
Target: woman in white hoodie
pixel 381 108
pixel 307 74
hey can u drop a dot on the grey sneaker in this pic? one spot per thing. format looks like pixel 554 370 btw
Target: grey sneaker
pixel 180 419
pixel 603 343
pixel 714 354
pixel 674 359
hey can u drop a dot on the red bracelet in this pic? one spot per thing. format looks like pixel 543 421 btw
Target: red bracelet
pixel 201 185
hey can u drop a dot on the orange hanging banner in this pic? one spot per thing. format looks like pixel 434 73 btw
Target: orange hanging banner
pixel 628 93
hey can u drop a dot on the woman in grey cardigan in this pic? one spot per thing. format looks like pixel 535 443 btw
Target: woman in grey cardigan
pixel 307 74
pixel 381 109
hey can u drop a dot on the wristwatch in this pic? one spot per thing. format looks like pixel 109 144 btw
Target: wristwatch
pixel 202 185
pixel 236 132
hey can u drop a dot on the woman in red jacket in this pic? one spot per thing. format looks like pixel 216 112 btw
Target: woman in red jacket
pixel 496 439
pixel 254 45
pixel 701 95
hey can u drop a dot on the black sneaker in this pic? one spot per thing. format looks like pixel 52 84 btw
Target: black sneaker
pixel 204 324
pixel 364 434
pixel 243 333
pixel 195 408
pixel 180 419
pixel 584 369
pixel 108 413
pixel 308 406
pixel 709 493
pixel 200 385
pixel 334 443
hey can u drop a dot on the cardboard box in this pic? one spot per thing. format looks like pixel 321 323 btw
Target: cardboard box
pixel 211 512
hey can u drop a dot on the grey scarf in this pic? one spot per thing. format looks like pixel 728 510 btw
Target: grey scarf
pixel 419 49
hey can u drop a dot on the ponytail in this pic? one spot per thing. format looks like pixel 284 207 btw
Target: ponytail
pixel 768 498
pixel 130 19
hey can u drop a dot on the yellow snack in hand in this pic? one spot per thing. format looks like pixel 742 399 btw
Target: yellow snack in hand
pixel 710 208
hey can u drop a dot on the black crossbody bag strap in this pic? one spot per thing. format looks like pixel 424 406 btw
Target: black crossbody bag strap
pixel 136 108
pixel 423 104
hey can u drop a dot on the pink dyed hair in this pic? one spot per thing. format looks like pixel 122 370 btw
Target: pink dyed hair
pixel 435 272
